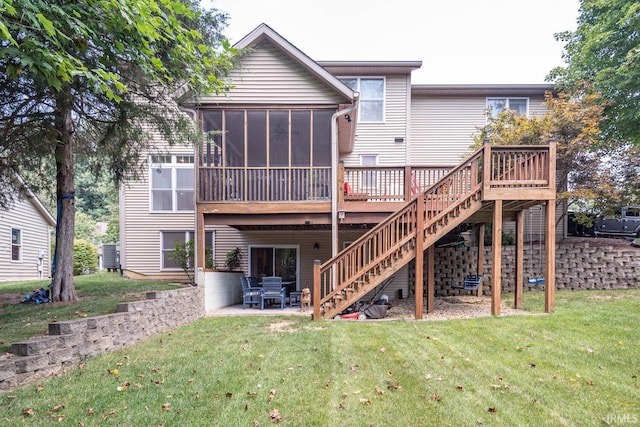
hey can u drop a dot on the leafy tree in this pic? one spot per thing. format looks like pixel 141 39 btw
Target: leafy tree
pixel 183 254
pixel 85 257
pixel 594 177
pixel 94 79
pixel 85 227
pixel 603 56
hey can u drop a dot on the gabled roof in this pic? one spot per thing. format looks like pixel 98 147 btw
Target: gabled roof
pixel 363 68
pixel 265 33
pixel 35 201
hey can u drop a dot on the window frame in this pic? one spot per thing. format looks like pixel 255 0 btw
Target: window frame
pixel 489 108
pixel 178 161
pixel 17 245
pixel 188 236
pixel 363 99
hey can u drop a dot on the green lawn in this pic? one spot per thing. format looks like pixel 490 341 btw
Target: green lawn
pixel 577 367
pixel 99 294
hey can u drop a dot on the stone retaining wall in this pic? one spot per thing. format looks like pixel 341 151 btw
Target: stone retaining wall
pixel 578 266
pixel 72 341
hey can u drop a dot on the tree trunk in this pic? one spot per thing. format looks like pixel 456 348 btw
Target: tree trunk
pixel 62 288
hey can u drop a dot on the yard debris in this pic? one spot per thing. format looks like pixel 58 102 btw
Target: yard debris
pixel 37 296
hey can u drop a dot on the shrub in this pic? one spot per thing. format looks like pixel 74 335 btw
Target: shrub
pixel 85 257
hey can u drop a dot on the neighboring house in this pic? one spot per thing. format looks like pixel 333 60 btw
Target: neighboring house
pixel 25 240
pixel 306 158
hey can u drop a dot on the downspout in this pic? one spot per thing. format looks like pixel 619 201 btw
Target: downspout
pixel 334 172
pixel 194 114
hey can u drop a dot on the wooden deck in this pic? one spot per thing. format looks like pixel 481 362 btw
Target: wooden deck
pixel 492 181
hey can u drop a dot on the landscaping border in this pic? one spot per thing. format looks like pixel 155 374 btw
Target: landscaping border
pixel 72 341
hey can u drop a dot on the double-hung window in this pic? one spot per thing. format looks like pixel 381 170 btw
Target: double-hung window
pixel 371 91
pixel 16 244
pixel 170 239
pixel 495 106
pixel 172 183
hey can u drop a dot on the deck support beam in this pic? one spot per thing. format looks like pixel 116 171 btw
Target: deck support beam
pixel 517 303
pixel 431 278
pixel 419 251
pixel 496 258
pixel 550 258
pixel 480 270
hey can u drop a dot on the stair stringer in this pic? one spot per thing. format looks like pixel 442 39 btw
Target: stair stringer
pixel 435 228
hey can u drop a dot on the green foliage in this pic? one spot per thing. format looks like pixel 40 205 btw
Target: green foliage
pixel 85 257
pixel 507 237
pixel 233 259
pixel 183 254
pixel 577 367
pixel 603 57
pixel 594 176
pixel 85 227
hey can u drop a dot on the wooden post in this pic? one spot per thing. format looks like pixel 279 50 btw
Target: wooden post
pixel 550 258
pixel 316 289
pixel 200 246
pixel 486 166
pixel 431 278
pixel 496 258
pixel 480 255
pixel 419 250
pixel 517 303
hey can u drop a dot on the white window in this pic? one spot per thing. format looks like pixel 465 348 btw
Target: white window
pixel 496 106
pixel 16 244
pixel 170 239
pixel 371 91
pixel 172 183
pixel 369 177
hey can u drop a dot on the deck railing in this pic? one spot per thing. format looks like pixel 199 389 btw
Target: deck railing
pixel 357 269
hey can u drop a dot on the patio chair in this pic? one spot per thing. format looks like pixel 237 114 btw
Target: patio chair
pixel 272 289
pixel 250 294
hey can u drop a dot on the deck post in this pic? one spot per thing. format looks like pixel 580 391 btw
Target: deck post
pixel 550 258
pixel 419 251
pixel 480 264
pixel 431 278
pixel 200 246
pixel 496 258
pixel 517 303
pixel 486 166
pixel 316 289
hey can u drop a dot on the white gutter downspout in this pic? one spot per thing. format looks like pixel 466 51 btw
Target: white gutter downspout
pixel 334 172
pixel 194 117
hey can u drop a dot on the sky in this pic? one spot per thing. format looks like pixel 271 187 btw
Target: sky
pixel 458 41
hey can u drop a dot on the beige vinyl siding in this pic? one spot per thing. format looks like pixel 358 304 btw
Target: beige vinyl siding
pixel 442 128
pixel 35 236
pixel 379 138
pixel 267 76
pixel 140 251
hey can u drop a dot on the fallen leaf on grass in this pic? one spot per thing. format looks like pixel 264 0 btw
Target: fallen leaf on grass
pixel 272 394
pixel 90 411
pixel 365 401
pixel 436 397
pixel 493 409
pixel 252 393
pixel 275 416
pixel 382 350
pixel 58 407
pixel 28 412
pixel 459 387
pixel 379 390
pixel 39 388
pixel 166 406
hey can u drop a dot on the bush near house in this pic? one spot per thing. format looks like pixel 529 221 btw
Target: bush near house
pixel 85 257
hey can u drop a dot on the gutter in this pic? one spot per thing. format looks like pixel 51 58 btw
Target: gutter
pixel 193 113
pixel 334 172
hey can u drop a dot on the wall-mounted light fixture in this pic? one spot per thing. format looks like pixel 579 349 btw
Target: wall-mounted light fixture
pixel 316 246
pixel 348 118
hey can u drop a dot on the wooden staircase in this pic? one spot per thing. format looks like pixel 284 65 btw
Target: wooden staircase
pixel 519 172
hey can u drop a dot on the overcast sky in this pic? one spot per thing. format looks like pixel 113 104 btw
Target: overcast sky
pixel 458 41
